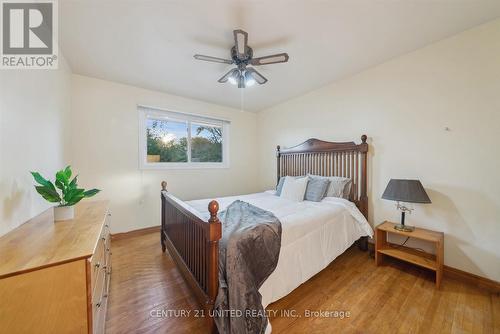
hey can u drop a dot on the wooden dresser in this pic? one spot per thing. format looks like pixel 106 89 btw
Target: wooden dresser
pixel 54 277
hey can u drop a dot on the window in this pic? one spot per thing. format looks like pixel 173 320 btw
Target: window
pixel 177 140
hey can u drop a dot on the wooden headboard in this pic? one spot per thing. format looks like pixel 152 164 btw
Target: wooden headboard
pixel 324 158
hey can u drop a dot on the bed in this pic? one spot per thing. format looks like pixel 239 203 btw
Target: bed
pixel 313 233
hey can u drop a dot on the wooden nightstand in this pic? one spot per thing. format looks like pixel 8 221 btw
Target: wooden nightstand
pixel 420 258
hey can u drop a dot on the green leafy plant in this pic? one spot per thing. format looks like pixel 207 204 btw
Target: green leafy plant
pixel 69 193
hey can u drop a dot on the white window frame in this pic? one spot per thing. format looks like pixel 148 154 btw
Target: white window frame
pixel 149 112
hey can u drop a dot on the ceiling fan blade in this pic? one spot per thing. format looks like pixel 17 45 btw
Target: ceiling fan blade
pixel 213 59
pixel 228 75
pixel 241 43
pixel 272 59
pixel 259 78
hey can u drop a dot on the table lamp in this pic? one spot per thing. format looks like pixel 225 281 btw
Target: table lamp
pixel 408 191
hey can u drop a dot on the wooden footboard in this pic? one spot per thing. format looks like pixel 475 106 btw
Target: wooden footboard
pixel 193 244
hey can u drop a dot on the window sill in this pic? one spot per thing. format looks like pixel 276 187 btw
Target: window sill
pixel 163 166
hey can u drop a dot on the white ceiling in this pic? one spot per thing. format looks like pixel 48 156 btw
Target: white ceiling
pixel 151 44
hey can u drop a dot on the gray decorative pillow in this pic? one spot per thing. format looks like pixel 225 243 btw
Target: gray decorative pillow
pixel 338 187
pixel 347 189
pixel 316 189
pixel 279 187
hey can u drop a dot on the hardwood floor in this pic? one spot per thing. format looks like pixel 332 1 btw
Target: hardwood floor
pixel 395 298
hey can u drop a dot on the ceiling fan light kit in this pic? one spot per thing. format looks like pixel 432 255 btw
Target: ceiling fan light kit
pixel 242 56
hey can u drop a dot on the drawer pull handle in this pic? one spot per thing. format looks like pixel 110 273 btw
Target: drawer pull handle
pixel 107 226
pixel 103 238
pixel 98 264
pixel 107 249
pixel 109 214
pixel 98 305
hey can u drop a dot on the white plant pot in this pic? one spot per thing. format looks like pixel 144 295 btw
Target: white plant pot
pixel 64 213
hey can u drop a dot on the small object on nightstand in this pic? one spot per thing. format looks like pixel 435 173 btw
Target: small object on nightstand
pixel 420 258
pixel 409 191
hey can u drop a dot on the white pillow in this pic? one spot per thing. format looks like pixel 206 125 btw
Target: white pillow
pixel 294 189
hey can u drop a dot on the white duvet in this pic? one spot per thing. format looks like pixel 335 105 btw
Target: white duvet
pixel 313 235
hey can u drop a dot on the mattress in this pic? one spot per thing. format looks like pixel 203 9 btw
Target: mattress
pixel 313 235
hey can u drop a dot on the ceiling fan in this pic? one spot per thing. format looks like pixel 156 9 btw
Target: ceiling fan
pixel 242 56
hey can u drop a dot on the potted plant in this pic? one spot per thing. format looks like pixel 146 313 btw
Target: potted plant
pixel 68 196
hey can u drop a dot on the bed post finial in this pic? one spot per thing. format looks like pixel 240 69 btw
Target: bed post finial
pixel 214 235
pixel 364 138
pixel 278 156
pixel 164 185
pixel 213 207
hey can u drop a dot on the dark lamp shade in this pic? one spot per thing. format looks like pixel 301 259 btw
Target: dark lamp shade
pixel 410 191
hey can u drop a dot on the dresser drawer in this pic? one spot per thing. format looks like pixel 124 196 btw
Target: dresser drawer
pixel 100 318
pixel 101 269
pixel 107 258
pixel 100 257
pixel 101 278
pixel 97 262
pixel 107 225
pixel 99 301
pixel 107 243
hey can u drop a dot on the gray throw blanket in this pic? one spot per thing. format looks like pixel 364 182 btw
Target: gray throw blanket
pixel 248 254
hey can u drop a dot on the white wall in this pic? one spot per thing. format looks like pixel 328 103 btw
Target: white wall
pixel 34 124
pixel 105 151
pixel 404 106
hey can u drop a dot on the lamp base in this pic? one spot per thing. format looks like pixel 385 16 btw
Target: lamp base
pixel 404 228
